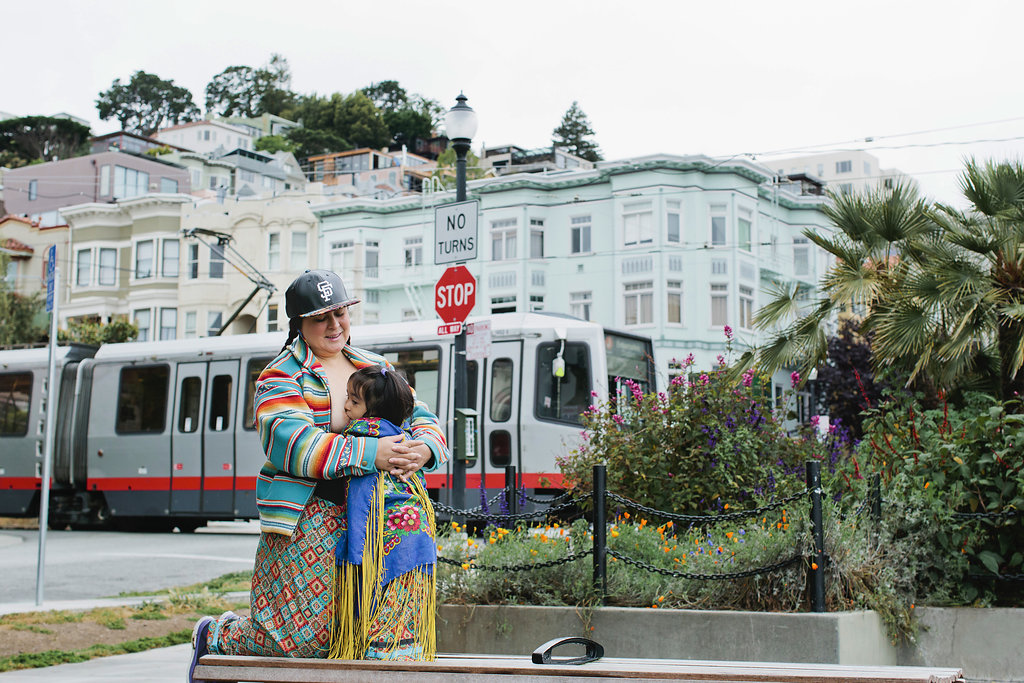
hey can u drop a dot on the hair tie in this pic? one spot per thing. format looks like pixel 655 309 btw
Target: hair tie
pixel 384 370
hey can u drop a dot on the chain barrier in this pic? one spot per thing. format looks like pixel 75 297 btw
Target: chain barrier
pixel 705 519
pixel 498 517
pixel 704 577
pixel 522 567
pixel 997 577
pixel 554 501
pixel 490 502
pixel 986 515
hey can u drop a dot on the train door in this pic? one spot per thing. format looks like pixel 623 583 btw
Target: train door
pixel 187 438
pixel 500 411
pixel 21 439
pixel 218 486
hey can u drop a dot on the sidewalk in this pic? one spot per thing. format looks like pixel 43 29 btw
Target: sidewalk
pixel 163 665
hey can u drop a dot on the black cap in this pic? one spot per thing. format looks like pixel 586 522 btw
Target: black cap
pixel 315 292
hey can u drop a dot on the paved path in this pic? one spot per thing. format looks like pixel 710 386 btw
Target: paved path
pixel 163 665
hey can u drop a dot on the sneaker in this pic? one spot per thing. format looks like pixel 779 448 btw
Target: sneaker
pixel 199 647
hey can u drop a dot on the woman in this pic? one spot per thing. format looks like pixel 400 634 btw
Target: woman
pixel 302 491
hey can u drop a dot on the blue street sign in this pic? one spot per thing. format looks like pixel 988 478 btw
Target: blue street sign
pixel 51 264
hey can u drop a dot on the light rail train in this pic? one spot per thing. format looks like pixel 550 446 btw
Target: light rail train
pixel 153 435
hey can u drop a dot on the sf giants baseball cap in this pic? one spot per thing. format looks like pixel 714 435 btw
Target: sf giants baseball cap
pixel 315 292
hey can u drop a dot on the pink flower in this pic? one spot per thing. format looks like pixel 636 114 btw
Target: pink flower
pixel 617 419
pixel 721 359
pixel 794 378
pixel 406 518
pixel 728 332
pixel 815 419
pixel 704 379
pixel 689 360
pixel 748 378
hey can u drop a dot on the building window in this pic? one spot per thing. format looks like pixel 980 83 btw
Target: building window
pixel 718 226
pixel 673 223
pixel 639 300
pixel 580 234
pixel 846 188
pixel 274 251
pixel 168 323
pixel 105 180
pixel 719 305
pixel 83 270
pixel 299 255
pixel 580 303
pixel 503 239
pixel 844 166
pixel 213 323
pixel 536 302
pixel 373 259
pixel 169 185
pixel 674 299
pixel 821 170
pixel 503 304
pixel 33 190
pixel 719 266
pixel 743 231
pixel 801 256
pixel 413 252
pixel 142 318
pixel 108 267
pixel 536 238
pixel 169 259
pixel 217 262
pixel 637 224
pixel 144 259
pixel 197 178
pixel 193 261
pixel 129 183
pixel 190 325
pixel 272 324
pixel 746 307
pixel 246 176
pixel 341 257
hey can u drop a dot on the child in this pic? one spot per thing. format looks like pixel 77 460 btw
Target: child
pixel 390 533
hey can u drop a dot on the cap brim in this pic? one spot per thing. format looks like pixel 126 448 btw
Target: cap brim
pixel 321 311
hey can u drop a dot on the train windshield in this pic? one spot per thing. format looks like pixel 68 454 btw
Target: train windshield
pixel 629 358
pixel 563 398
pixel 420 368
pixel 15 392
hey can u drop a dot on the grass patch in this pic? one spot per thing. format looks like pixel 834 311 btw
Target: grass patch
pixel 31 627
pixel 55 617
pixel 226 583
pixel 53 657
pixel 149 611
pixel 111 618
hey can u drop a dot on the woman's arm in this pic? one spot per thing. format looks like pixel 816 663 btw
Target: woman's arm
pixel 295 444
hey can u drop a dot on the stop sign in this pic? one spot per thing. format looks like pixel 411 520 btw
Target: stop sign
pixel 455 294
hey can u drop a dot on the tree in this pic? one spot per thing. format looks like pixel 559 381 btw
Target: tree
pixel 43 138
pixel 249 92
pixel 18 314
pixel 359 122
pixel 146 103
pixel 95 333
pixel 942 289
pixel 573 133
pixel 446 166
pixel 313 141
pixel 275 143
pixel 387 96
pixel 407 125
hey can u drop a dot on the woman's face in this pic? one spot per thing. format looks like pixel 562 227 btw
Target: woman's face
pixel 327 333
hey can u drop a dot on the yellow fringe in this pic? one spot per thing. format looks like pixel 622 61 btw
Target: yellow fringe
pixel 350 636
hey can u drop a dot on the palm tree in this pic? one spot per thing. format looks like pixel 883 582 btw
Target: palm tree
pixel 942 289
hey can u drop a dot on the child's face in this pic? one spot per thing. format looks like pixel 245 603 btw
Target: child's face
pixel 354 406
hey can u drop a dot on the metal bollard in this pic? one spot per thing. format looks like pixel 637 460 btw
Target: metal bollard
pixel 600 534
pixel 511 490
pixel 818 557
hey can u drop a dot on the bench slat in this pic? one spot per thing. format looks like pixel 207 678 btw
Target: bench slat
pixel 458 668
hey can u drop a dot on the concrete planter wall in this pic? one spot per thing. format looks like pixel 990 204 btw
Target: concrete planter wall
pixel 986 643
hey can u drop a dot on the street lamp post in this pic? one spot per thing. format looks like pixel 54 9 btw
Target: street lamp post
pixel 460 126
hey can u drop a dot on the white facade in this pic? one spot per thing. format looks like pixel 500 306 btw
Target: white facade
pixel 674 248
pixel 849 171
pixel 206 137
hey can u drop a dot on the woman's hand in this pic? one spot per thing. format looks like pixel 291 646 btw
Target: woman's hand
pixel 407 458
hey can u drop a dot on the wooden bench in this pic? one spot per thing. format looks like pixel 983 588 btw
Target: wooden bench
pixel 463 668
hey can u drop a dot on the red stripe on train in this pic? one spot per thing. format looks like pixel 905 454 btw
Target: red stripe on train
pixel 21 483
pixel 497 481
pixel 166 483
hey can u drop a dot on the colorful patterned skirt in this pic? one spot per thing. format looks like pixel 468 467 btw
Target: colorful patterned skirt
pixel 293 603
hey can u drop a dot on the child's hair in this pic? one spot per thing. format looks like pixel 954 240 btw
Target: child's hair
pixel 384 392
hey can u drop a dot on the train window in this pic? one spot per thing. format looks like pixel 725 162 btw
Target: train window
pixel 501 448
pixel 564 398
pixel 472 372
pixel 420 368
pixel 220 403
pixel 501 390
pixel 15 394
pixel 188 406
pixel 142 400
pixel 252 374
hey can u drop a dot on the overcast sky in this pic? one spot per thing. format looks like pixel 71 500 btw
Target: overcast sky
pixel 653 76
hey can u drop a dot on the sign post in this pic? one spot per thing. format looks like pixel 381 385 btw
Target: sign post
pixel 52 297
pixel 454 298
